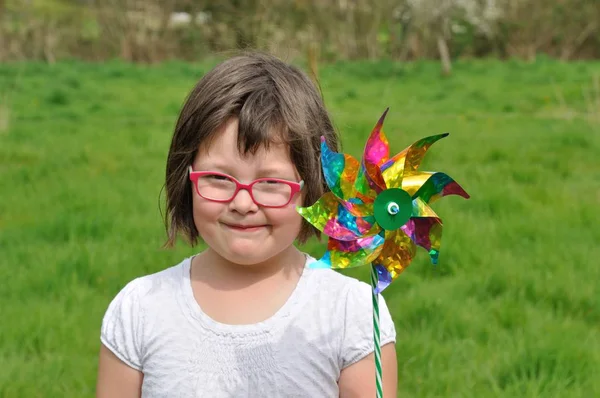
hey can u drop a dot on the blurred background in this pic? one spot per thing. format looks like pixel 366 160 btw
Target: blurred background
pixel 89 94
pixel 152 31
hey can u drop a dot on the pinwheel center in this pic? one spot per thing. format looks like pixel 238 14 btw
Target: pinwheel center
pixel 392 208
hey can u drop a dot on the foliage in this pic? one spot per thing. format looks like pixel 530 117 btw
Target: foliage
pixel 155 30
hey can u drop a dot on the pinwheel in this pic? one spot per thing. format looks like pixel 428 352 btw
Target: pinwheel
pixel 377 212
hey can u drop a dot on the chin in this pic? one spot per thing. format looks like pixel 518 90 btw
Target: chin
pixel 246 260
pixel 252 249
pixel 248 254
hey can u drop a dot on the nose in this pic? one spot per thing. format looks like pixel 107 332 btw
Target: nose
pixel 243 203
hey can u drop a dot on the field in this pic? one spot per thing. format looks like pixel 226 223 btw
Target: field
pixel 512 309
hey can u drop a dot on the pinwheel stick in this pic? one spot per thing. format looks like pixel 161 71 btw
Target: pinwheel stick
pixel 376 334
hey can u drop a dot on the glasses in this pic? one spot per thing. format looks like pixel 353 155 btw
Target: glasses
pixel 265 192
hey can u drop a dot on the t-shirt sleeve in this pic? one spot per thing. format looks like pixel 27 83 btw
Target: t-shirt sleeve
pixel 357 342
pixel 120 331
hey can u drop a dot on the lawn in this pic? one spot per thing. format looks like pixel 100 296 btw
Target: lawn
pixel 512 309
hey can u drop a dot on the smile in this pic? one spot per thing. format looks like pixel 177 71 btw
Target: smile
pixel 245 228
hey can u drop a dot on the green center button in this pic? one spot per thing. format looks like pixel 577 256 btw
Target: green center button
pixel 392 208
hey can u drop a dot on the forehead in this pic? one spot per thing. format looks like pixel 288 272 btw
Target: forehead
pixel 224 145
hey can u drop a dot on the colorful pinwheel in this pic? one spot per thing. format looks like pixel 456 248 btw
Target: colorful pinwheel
pixel 377 212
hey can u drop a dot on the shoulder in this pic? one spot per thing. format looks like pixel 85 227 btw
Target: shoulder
pixel 349 305
pixel 155 283
pixel 333 283
pixel 141 292
pixel 343 297
pixel 122 327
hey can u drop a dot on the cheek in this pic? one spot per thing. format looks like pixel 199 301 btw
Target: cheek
pixel 205 211
pixel 288 219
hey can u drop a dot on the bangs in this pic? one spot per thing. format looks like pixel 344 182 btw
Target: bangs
pixel 260 123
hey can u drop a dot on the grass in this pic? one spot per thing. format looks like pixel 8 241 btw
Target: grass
pixel 512 310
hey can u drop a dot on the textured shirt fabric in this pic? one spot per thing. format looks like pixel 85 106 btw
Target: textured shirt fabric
pixel 155 325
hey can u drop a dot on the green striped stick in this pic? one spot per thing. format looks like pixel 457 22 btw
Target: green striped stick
pixel 376 334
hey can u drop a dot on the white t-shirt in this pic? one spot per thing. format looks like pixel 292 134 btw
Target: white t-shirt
pixel 156 326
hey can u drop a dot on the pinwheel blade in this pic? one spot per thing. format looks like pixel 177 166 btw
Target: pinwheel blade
pixel 412 183
pixel 396 255
pixel 363 187
pixel 330 217
pixel 377 148
pixel 408 161
pixel 384 278
pixel 374 177
pixel 347 254
pixel 422 209
pixel 426 232
pixel 435 187
pixel 358 208
pixel 340 171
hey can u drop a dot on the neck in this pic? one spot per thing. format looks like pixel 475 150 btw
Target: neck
pixel 224 274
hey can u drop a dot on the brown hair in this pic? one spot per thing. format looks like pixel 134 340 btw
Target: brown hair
pixel 272 100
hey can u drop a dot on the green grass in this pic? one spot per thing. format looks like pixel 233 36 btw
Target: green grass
pixel 512 310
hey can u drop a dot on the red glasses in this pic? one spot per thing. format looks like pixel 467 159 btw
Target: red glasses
pixel 265 192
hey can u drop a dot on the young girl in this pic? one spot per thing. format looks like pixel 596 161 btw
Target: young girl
pixel 247 317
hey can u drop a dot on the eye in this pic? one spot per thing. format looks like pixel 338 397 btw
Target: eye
pixel 217 177
pixel 215 180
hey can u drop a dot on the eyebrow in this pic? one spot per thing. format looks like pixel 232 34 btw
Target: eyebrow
pixel 210 166
pixel 272 170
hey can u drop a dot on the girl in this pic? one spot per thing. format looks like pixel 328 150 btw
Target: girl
pixel 247 317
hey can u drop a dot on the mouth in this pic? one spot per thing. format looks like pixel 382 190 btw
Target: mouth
pixel 245 228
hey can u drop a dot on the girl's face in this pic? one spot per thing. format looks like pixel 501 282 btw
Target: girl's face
pixel 241 231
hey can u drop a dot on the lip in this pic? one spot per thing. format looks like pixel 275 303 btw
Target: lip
pixel 245 228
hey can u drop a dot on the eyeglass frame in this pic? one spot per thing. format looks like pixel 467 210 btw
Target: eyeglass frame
pixel 296 187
